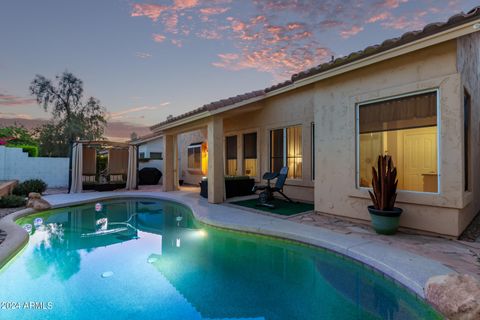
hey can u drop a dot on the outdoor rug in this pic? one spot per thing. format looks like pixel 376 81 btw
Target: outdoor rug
pixel 282 207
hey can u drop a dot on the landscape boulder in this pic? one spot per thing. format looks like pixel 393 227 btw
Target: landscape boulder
pixel 36 202
pixel 457 296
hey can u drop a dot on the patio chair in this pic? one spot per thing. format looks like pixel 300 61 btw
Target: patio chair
pixel 266 196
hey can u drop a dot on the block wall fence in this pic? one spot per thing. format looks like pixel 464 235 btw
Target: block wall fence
pixel 17 165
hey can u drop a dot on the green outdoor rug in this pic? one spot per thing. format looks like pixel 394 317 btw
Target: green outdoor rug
pixel 282 207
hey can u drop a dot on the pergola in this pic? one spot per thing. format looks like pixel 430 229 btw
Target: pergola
pixel 121 170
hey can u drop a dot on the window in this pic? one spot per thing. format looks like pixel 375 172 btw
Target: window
pixel 250 154
pixel 467 101
pixel 406 129
pixel 195 156
pixel 231 155
pixel 286 150
pixel 142 155
pixel 156 156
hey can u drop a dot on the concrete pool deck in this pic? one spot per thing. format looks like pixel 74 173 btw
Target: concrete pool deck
pixel 409 269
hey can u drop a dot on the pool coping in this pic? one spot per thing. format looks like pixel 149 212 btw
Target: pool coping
pixel 410 270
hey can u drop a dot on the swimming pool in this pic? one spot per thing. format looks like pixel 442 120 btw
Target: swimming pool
pixel 150 259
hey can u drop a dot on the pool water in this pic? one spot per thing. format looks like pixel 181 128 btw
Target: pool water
pixel 149 259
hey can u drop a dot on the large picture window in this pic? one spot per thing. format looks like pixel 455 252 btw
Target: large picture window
pixel 231 155
pixel 250 154
pixel 286 150
pixel 195 156
pixel 406 129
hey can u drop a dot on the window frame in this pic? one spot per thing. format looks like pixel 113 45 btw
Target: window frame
pixel 285 155
pixel 154 158
pixel 199 146
pixel 312 147
pixel 226 153
pixel 467 140
pixel 393 97
pixel 257 151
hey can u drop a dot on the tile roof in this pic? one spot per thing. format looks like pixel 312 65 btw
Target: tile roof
pixel 428 30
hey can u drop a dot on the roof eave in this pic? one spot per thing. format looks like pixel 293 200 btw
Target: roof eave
pixel 437 38
pixel 173 124
pixel 142 141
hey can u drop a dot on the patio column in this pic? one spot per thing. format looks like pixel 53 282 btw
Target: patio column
pixel 216 182
pixel 170 173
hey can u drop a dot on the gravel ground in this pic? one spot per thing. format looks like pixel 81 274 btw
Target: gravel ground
pixel 472 233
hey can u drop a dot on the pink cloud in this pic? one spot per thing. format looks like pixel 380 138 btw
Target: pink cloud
pixel 170 22
pixel 238 25
pixel 184 4
pixel 392 4
pixel 12 100
pixel 379 17
pixel 177 42
pixel 350 32
pixel 279 36
pixel 404 22
pixel 209 34
pixel 12 115
pixel 158 37
pixel 121 114
pixel 152 11
pixel 281 62
pixel 213 10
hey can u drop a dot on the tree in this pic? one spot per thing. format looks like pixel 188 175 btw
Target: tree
pixel 73 118
pixel 17 135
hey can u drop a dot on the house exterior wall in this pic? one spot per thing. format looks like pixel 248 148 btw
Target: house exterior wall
pixel 183 141
pixel 335 103
pixel 278 112
pixel 468 65
pixel 17 165
pixel 331 104
pixel 151 146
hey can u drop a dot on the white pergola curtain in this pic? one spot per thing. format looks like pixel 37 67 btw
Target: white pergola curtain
pixel 77 168
pixel 132 168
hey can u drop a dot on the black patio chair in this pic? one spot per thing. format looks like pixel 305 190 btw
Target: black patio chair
pixel 266 196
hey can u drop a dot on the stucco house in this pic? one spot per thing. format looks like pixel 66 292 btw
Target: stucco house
pixel 150 154
pixel 416 97
pixel 150 151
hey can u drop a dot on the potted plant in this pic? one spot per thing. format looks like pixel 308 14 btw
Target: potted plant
pixel 385 216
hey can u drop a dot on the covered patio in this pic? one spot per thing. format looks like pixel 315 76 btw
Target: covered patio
pixel 103 166
pixel 214 152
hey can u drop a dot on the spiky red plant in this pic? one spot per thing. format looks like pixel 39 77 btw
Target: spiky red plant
pixel 384 184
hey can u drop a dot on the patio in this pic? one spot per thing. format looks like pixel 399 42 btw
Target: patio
pixel 408 257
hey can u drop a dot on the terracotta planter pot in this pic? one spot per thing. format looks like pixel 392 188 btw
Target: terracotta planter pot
pixel 385 222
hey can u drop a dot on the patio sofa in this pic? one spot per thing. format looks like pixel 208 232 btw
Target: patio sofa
pixel 235 186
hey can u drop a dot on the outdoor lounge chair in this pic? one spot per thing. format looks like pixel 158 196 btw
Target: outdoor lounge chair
pixel 266 196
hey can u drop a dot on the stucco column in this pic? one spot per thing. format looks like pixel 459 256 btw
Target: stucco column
pixel 216 183
pixel 169 163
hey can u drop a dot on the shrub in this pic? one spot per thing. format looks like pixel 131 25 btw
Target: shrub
pixel 27 186
pixel 31 150
pixel 12 201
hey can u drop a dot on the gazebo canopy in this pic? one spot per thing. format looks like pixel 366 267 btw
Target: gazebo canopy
pixel 121 168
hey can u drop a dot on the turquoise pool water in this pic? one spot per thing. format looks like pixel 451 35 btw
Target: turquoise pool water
pixel 149 259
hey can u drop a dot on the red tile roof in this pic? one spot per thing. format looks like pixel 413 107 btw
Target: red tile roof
pixel 428 30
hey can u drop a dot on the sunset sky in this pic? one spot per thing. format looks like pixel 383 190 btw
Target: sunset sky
pixel 147 60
